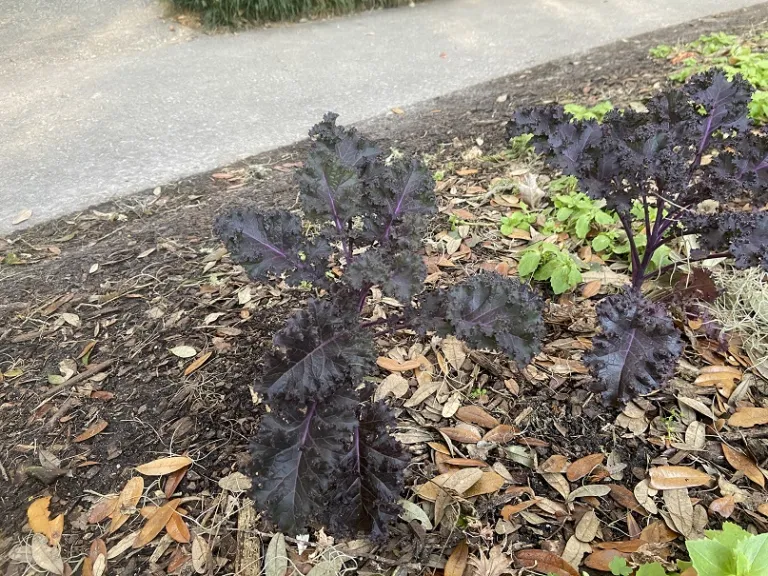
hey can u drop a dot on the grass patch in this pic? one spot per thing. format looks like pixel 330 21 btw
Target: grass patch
pixel 239 12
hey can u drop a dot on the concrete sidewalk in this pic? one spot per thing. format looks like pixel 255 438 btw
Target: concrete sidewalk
pixel 106 98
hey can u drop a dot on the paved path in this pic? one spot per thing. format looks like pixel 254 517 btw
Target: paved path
pixel 102 98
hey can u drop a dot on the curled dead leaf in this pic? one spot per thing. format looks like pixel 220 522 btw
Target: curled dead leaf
pixel 391 365
pixel 501 434
pixel 463 435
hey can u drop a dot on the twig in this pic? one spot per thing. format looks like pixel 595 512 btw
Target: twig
pixel 69 403
pixel 93 369
pixel 3 472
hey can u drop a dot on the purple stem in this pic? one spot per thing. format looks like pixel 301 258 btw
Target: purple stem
pixel 307 422
pixel 357 448
pixel 636 274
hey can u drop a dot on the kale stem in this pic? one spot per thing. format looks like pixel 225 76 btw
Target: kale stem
pixel 363 295
pixel 637 275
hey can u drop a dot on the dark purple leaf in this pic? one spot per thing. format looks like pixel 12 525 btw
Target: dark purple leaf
pixel 370 476
pixel 400 275
pixel 637 350
pixel 320 350
pixel 488 311
pixel 333 176
pixel 295 456
pixel 743 234
pixel 272 243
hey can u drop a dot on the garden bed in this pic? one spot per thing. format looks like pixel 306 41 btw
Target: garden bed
pixel 127 335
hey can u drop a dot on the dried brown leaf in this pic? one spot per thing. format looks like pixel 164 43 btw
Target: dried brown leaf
pixel 680 509
pixel 583 466
pixel 156 523
pixel 103 509
pixel 657 533
pixel 462 480
pixel 558 482
pixel 501 434
pixel 488 483
pixel 546 562
pixel 163 466
pixel 95 428
pixel 724 378
pixel 391 365
pixel 748 417
pixel 555 464
pixel 601 559
pixel 586 529
pixel 463 435
pixel 724 506
pixel 177 528
pixel 457 562
pixel 674 477
pixel 743 463
pixel 476 415
pixel 624 497
pixel 511 509
pixel 198 362
pixel 129 497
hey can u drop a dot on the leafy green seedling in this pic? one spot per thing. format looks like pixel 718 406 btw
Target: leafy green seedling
pixel 546 261
pixel 578 213
pixel 520 220
pixel 731 551
pixel 596 112
pixel 564 185
pixel 661 51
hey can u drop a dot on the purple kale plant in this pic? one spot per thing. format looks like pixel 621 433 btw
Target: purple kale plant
pixel 693 144
pixel 324 454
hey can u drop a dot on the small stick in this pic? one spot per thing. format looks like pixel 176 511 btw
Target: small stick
pixel 3 472
pixel 69 403
pixel 93 369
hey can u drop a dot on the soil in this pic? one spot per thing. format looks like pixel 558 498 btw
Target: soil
pixel 143 275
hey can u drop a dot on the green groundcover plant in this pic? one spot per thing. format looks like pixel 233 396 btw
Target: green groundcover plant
pixel 731 551
pixel 235 12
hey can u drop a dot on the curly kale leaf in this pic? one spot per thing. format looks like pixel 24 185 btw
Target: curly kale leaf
pixel 638 154
pixel 320 350
pixel 488 311
pixel 370 476
pixel 400 275
pixel 398 190
pixel 742 234
pixel 637 350
pixel 296 453
pixel 272 243
pixel 333 177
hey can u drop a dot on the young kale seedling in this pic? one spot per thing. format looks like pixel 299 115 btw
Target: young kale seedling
pixel 693 144
pixel 324 454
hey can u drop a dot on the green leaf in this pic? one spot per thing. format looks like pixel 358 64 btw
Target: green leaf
pixel 574 276
pixel 752 556
pixel 618 566
pixel 730 535
pixel 652 569
pixel 564 213
pixel 547 270
pixel 559 280
pixel 583 224
pixel 529 262
pixel 603 218
pixel 601 242
pixel 711 558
